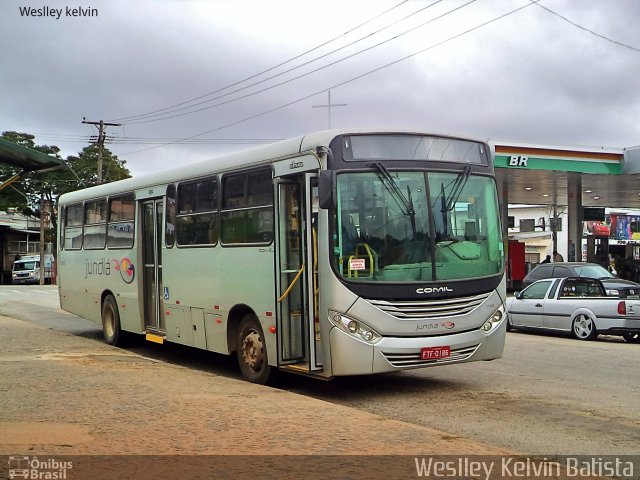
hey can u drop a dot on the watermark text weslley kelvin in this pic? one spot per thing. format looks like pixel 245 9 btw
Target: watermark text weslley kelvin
pixel 57 13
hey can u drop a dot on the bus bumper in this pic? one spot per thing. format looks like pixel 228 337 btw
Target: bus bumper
pixel 350 356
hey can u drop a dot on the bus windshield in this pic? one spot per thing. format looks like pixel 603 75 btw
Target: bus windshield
pixel 409 226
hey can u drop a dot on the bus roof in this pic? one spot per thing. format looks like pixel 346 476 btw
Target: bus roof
pixel 245 158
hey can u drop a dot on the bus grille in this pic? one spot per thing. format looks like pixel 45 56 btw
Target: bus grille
pixel 412 360
pixel 425 309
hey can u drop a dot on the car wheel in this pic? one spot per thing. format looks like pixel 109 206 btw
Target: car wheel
pixel 631 337
pixel 584 328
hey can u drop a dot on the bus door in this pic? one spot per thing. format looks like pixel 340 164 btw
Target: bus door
pixel 152 211
pixel 298 332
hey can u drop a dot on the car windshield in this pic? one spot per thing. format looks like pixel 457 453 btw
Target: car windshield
pixel 402 226
pixel 22 266
pixel 593 271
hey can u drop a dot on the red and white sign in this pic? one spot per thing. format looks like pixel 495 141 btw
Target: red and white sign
pixel 356 264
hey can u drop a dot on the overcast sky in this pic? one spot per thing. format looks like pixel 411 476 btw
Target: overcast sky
pixel 527 77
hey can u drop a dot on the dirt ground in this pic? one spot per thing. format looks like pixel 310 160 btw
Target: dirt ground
pixel 64 394
pixel 74 407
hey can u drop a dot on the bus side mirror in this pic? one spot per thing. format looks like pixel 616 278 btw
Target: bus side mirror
pixel 327 192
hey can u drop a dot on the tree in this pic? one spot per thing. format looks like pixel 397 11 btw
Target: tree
pixel 78 172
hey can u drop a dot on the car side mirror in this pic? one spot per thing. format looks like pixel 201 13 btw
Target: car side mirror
pixel 518 295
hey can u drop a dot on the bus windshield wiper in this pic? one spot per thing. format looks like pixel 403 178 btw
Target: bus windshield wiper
pixel 456 190
pixel 404 202
pixel 447 203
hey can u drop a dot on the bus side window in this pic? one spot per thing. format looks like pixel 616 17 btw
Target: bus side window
pixel 95 224
pixel 197 216
pixel 247 208
pixel 170 225
pixel 121 228
pixel 73 227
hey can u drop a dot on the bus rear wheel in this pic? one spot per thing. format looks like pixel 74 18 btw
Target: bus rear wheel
pixel 111 330
pixel 252 351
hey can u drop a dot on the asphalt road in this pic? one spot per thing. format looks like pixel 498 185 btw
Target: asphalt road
pixel 549 395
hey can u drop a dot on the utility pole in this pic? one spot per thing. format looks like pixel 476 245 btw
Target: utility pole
pixel 45 220
pixel 100 141
pixel 42 240
pixel 329 105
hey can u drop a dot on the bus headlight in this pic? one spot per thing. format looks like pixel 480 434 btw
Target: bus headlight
pixel 354 327
pixel 494 320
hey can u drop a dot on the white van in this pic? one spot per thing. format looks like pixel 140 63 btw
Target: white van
pixel 27 269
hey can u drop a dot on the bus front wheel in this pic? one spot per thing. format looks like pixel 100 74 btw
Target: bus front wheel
pixel 111 330
pixel 252 351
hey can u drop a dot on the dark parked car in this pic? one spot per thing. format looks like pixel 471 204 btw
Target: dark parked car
pixel 616 287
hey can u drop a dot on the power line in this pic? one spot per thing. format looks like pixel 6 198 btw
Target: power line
pixel 585 28
pixel 280 107
pixel 115 140
pixel 60 136
pixel 149 118
pixel 204 141
pixel 301 75
pixel 267 70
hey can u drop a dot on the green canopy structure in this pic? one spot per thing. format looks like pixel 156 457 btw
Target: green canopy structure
pixel 26 159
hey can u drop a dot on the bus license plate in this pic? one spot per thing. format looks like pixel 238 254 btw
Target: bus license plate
pixel 433 353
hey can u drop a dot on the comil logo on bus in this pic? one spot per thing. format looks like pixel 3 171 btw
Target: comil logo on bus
pixel 434 290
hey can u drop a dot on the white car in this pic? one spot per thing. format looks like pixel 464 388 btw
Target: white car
pixel 576 304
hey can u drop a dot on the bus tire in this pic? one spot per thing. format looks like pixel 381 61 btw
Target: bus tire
pixel 252 351
pixel 111 330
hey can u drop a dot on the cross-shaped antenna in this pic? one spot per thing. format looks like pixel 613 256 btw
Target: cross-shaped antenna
pixel 329 105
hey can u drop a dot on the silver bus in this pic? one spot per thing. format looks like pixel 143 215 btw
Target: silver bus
pixel 335 253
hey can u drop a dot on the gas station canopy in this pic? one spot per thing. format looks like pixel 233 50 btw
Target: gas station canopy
pixel 594 177
pixel 26 159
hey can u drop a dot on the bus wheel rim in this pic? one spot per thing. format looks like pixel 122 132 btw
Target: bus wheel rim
pixel 252 351
pixel 109 323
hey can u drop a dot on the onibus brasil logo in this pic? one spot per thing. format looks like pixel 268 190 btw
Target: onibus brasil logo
pixel 105 266
pixel 35 468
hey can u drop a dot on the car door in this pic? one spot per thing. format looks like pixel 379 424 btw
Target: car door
pixel 527 309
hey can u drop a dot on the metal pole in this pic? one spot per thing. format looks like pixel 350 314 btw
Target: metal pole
pixel 554 229
pixel 100 144
pixel 329 109
pixel 42 217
